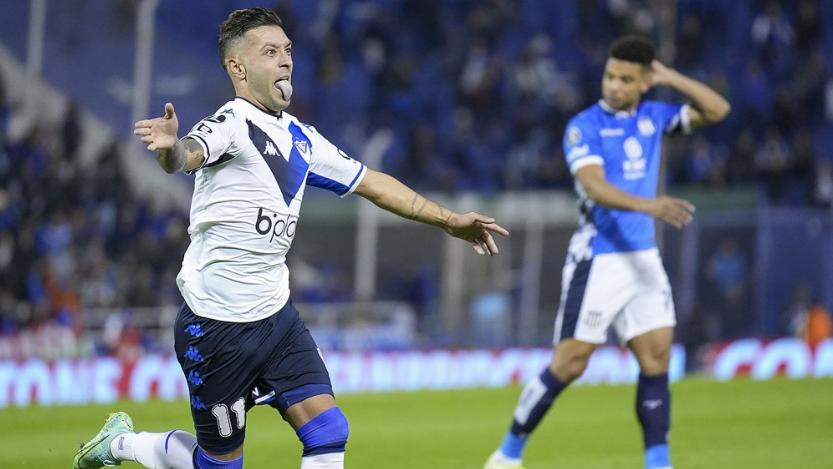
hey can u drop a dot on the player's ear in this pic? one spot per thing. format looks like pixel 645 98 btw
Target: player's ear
pixel 235 68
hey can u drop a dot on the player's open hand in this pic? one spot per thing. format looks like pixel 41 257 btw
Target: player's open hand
pixel 676 212
pixel 159 134
pixel 476 229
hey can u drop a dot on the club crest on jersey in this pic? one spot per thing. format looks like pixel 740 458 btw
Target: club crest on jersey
pixel 646 126
pixel 634 167
pixel 302 146
pixel 573 136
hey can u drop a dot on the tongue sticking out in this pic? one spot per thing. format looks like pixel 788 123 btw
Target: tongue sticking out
pixel 286 88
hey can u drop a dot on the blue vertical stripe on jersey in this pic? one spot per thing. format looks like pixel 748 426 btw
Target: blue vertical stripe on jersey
pixel 289 174
pixel 575 297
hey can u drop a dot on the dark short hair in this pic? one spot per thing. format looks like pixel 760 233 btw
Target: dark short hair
pixel 633 48
pixel 240 21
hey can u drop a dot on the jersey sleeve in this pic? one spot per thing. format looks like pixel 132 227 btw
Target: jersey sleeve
pixel 216 134
pixel 673 117
pixel 331 168
pixel 581 146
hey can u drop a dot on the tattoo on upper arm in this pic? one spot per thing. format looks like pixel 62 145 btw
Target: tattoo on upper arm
pixel 193 148
pixel 194 154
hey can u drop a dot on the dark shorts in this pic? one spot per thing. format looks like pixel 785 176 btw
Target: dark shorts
pixel 232 366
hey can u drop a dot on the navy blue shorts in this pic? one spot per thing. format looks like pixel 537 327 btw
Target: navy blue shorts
pixel 232 366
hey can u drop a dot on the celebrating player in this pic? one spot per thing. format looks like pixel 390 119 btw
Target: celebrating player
pixel 613 274
pixel 238 337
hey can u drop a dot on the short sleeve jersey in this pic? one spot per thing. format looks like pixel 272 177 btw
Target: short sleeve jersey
pixel 245 206
pixel 628 146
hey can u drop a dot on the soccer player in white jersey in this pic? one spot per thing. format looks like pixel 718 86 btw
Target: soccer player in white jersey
pixel 613 274
pixel 238 338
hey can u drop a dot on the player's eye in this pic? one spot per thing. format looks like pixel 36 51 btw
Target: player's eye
pixel 270 52
pixel 288 51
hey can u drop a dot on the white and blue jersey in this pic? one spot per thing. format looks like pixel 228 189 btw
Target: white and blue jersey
pixel 245 207
pixel 628 146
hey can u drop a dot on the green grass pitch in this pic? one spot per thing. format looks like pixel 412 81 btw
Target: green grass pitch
pixel 739 424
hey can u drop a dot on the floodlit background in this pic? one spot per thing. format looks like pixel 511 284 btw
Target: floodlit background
pixel 465 101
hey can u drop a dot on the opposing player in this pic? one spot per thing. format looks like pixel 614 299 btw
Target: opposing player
pixel 613 274
pixel 238 337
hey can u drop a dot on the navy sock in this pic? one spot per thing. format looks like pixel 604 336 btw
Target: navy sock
pixel 653 408
pixel 536 398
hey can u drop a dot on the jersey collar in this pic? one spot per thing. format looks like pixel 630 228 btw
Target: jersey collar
pixel 616 113
pixel 277 115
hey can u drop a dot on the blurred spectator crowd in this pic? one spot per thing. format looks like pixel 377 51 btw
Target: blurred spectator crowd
pixel 74 236
pixel 477 94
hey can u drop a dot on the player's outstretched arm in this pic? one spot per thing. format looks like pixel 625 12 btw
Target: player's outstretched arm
pixel 160 135
pixel 390 194
pixel 677 212
pixel 707 106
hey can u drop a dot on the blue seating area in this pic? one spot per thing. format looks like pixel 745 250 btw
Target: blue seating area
pixel 478 92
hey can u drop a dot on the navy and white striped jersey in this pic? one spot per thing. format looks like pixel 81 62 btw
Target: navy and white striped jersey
pixel 628 146
pixel 245 206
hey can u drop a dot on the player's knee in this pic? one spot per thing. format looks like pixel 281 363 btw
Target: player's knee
pixel 572 369
pixel 204 461
pixel 655 360
pixel 569 366
pixel 325 433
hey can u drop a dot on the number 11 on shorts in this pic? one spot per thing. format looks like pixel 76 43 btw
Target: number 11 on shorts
pixel 221 413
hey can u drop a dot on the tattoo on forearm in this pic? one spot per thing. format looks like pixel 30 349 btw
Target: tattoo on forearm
pixel 418 204
pixel 421 207
pixel 412 213
pixel 445 215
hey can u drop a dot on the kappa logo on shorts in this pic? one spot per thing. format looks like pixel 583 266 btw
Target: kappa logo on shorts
pixel 193 354
pixel 195 329
pixel 197 403
pixel 195 378
pixel 592 318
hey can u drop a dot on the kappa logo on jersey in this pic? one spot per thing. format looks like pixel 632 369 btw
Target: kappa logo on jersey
pixel 270 149
pixel 289 173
